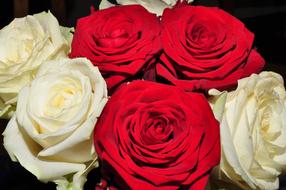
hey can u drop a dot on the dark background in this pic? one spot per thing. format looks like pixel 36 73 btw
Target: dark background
pixel 266 18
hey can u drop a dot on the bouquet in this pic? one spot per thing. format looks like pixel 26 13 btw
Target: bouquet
pixel 162 95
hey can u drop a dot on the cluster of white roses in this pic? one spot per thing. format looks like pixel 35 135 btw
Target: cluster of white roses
pixel 58 101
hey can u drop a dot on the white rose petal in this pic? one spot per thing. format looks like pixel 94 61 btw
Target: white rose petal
pixel 22 148
pixel 253 132
pixel 6 111
pixel 104 4
pixel 24 45
pixel 67 33
pixel 217 102
pixel 153 6
pixel 51 134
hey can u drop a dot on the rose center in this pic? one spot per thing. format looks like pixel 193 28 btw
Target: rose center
pixel 157 132
pixel 159 129
pixel 63 96
pixel 201 35
pixel 267 104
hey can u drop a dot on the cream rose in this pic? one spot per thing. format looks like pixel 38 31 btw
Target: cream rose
pixel 253 132
pixel 153 6
pixel 24 44
pixel 51 133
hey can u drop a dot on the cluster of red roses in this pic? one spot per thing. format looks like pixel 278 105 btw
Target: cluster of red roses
pixel 153 135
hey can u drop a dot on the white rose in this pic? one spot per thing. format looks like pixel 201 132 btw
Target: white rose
pixel 153 6
pixel 253 132
pixel 51 133
pixel 24 44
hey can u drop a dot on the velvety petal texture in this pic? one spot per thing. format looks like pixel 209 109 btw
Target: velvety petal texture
pixel 121 41
pixel 205 47
pixel 24 45
pixel 51 134
pixel 155 136
pixel 253 133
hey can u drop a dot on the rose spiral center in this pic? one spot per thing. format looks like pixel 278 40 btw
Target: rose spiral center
pixel 201 35
pixel 156 132
pixel 63 97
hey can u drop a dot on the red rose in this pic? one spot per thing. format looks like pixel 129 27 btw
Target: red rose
pixel 155 136
pixel 206 48
pixel 121 41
